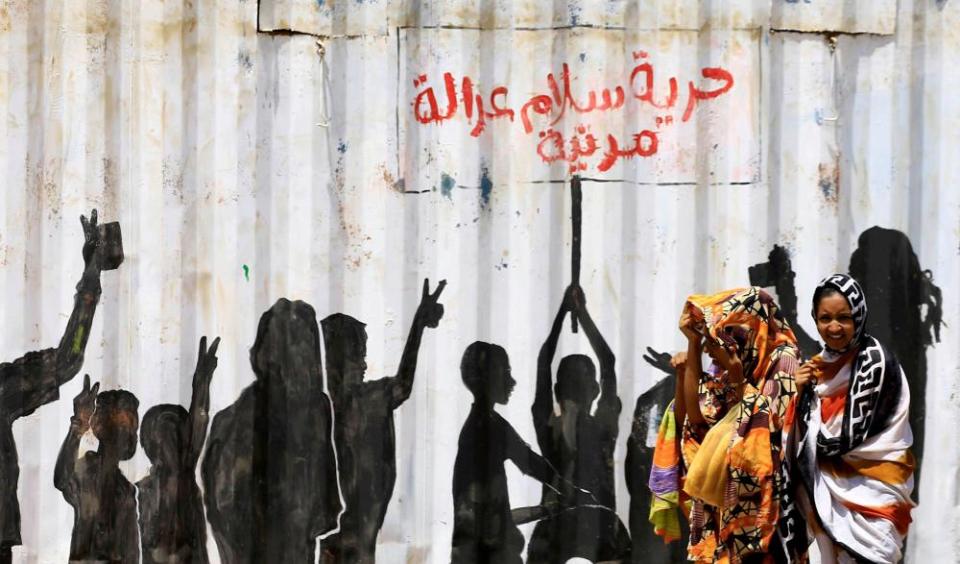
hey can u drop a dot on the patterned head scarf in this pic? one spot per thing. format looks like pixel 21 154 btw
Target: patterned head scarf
pixel 851 290
pixel 748 320
pixel 875 381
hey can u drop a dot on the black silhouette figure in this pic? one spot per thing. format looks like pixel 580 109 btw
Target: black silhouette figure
pixel 364 432
pixel 172 526
pixel 103 500
pixel 580 445
pixel 647 546
pixel 269 474
pixel 898 292
pixel 34 380
pixel 483 527
pixel 778 272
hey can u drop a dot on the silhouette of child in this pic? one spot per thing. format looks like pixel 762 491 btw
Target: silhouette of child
pixel 103 500
pixel 580 444
pixel 172 526
pixel 364 430
pixel 483 527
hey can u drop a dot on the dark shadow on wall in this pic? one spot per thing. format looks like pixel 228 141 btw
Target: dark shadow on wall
pixel 778 272
pixel 484 527
pixel 34 380
pixel 904 312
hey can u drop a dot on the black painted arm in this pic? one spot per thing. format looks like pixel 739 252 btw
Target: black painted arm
pixel 199 414
pixel 608 373
pixel 543 399
pixel 428 314
pixel 526 460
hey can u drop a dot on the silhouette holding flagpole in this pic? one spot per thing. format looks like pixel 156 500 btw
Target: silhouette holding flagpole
pixel 578 441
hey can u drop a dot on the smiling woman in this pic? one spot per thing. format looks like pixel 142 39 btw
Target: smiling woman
pixel 849 440
pixel 834 318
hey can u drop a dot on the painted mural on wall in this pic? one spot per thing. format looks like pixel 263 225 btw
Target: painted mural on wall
pixel 172 522
pixel 270 472
pixel 283 461
pixel 34 380
pixel 364 430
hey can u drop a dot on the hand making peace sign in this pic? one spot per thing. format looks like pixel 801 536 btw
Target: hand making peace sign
pixel 92 241
pixel 85 402
pixel 431 311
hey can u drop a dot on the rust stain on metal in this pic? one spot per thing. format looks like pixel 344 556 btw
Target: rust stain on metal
pixel 389 179
pixel 418 555
pixel 98 21
pixel 4 19
pixel 829 181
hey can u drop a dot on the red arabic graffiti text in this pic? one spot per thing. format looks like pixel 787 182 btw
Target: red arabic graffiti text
pixel 551 106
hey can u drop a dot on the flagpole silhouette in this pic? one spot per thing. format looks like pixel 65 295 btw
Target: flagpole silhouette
pixel 576 198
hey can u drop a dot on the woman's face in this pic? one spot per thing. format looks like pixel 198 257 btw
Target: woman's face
pixel 717 353
pixel 835 321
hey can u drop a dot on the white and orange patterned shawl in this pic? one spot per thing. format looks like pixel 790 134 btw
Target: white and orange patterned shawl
pixel 849 441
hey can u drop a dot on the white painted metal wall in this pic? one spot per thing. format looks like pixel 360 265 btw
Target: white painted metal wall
pixel 294 151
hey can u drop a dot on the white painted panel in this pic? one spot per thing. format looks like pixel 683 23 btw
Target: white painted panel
pixel 648 108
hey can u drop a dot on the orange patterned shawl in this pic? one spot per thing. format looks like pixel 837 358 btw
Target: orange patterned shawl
pixel 750 321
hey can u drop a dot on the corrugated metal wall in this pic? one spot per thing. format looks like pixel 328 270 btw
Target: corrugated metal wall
pixel 245 166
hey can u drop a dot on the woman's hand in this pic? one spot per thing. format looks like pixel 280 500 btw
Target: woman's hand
pixel 679 364
pixel 726 357
pixel 678 361
pixel 806 374
pixel 734 367
pixel 689 326
pixel 731 363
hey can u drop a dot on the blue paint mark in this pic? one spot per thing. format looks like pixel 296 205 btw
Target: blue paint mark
pixel 319 3
pixel 796 1
pixel 486 186
pixel 575 10
pixel 342 148
pixel 583 57
pixel 447 184
pixel 826 187
pixel 243 58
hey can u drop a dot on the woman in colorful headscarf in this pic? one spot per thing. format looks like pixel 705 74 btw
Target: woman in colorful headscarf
pixel 724 466
pixel 848 437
